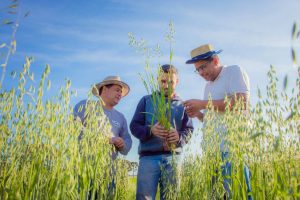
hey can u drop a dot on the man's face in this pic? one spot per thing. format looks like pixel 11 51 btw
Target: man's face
pixel 207 69
pixel 112 95
pixel 168 81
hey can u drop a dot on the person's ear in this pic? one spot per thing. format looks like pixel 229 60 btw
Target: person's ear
pixel 104 88
pixel 216 60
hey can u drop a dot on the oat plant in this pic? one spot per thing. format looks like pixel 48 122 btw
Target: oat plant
pixel 41 154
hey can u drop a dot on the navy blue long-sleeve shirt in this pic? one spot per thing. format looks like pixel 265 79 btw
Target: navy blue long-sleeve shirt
pixel 144 118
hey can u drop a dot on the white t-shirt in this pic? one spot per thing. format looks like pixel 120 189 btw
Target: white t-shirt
pixel 231 80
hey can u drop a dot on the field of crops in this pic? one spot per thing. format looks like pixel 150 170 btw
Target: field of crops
pixel 41 156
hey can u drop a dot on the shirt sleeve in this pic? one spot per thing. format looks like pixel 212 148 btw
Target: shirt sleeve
pixel 79 110
pixel 138 125
pixel 126 137
pixel 186 130
pixel 239 81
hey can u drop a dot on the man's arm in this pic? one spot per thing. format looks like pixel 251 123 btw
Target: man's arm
pixel 193 106
pixel 138 125
pixel 186 130
pixel 78 112
pixel 127 139
pixel 200 116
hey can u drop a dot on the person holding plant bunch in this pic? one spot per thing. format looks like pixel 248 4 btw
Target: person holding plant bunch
pixel 225 86
pixel 162 127
pixel 110 91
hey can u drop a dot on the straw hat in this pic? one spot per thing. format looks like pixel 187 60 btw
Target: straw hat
pixel 116 80
pixel 201 53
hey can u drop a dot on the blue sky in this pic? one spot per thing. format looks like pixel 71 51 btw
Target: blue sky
pixel 85 41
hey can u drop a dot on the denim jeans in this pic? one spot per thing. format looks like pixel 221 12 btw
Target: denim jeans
pixel 154 170
pixel 226 172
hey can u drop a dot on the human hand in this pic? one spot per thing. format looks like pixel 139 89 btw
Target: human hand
pixel 200 116
pixel 173 136
pixel 193 106
pixel 159 131
pixel 118 142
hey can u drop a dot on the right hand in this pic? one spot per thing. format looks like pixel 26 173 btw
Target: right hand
pixel 193 106
pixel 159 131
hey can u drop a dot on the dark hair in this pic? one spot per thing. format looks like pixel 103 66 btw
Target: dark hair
pixel 169 69
pixel 108 86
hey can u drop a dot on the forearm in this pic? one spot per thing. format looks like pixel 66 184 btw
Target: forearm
pixel 221 104
pixel 138 126
pixel 127 145
pixel 186 130
pixel 139 131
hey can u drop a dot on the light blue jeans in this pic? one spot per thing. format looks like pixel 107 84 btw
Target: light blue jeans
pixel 154 170
pixel 226 172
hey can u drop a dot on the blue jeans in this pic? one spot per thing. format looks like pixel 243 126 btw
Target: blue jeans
pixel 226 173
pixel 154 170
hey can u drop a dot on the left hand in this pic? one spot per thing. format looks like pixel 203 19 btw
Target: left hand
pixel 173 136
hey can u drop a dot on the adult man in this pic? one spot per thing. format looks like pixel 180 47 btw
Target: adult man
pixel 155 148
pixel 111 90
pixel 222 81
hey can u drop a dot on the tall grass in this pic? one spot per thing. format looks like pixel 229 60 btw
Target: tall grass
pixel 41 156
pixel 151 78
pixel 266 139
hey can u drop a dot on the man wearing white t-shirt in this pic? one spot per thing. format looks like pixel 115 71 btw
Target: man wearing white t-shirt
pixel 222 81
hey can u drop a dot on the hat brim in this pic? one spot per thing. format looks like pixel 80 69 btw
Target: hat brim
pixel 203 56
pixel 125 87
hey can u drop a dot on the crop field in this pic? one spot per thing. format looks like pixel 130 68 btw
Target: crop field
pixel 41 156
